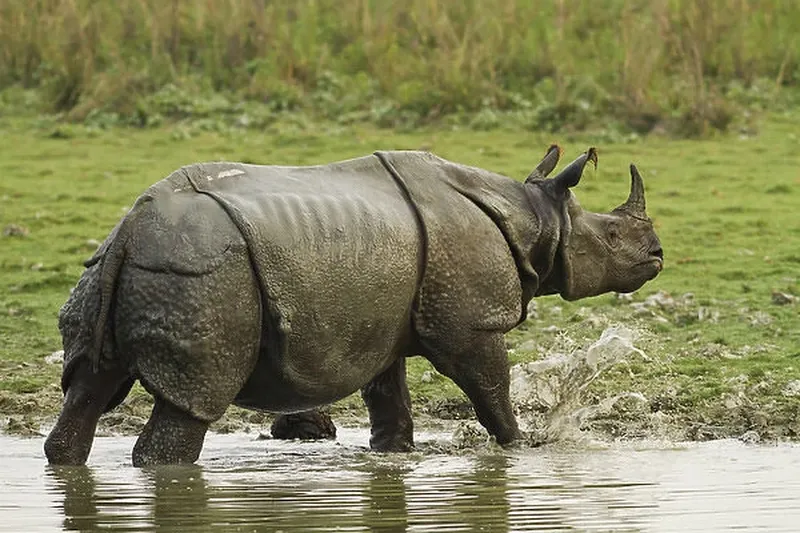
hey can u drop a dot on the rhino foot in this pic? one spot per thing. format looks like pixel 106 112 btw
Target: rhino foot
pixel 389 404
pixel 482 372
pixel 306 425
pixel 87 396
pixel 171 436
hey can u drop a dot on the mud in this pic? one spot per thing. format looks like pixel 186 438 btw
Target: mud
pixel 630 417
pixel 594 400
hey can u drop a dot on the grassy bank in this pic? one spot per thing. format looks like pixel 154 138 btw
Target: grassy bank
pixel 720 362
pixel 684 65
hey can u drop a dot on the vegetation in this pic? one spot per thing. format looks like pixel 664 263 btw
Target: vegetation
pixel 721 362
pixel 100 99
pixel 687 66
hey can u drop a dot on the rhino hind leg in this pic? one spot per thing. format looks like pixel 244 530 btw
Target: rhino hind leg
pixel 389 404
pixel 483 374
pixel 88 396
pixel 193 341
pixel 171 436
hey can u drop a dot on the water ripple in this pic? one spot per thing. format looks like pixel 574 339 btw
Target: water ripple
pixel 247 485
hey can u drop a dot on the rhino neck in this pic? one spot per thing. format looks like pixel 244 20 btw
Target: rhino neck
pixel 528 231
pixel 548 253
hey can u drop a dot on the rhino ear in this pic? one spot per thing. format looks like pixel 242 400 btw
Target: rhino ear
pixel 571 175
pixel 546 165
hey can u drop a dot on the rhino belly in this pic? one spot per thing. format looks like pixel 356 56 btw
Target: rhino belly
pixel 339 265
pixel 328 356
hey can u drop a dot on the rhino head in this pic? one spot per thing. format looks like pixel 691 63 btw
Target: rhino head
pixel 596 252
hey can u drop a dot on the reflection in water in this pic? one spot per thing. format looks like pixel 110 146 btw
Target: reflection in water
pixel 336 486
pixel 78 486
pixel 385 489
pixel 174 496
pixel 433 497
pixel 381 494
pixel 485 494
pixel 180 496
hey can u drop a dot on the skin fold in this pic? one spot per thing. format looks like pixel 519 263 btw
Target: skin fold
pixel 285 289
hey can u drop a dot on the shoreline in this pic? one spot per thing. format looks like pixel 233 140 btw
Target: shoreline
pixel 720 338
pixel 629 420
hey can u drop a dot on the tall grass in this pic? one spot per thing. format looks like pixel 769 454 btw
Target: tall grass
pixel 640 59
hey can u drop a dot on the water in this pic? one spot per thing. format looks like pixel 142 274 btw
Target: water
pixel 549 392
pixel 242 484
pixel 452 482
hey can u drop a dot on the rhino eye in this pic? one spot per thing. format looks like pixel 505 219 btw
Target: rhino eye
pixel 613 236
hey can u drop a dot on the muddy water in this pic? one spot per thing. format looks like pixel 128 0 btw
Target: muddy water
pixel 242 484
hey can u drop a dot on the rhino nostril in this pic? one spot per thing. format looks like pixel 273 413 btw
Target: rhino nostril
pixel 658 252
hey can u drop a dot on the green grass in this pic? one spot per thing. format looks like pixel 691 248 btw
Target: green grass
pixel 557 64
pixel 726 210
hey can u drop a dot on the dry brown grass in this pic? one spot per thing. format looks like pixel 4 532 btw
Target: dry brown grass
pixel 643 58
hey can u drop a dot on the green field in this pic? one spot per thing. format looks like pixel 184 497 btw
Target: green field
pixel 688 66
pixel 726 210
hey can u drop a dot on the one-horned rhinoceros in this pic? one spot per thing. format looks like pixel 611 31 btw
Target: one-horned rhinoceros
pixel 288 288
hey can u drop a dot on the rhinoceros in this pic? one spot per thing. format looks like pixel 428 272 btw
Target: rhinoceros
pixel 284 288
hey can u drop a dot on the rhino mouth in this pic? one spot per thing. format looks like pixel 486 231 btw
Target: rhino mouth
pixel 657 266
pixel 654 264
pixel 657 258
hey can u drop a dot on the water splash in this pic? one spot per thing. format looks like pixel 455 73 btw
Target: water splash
pixel 549 394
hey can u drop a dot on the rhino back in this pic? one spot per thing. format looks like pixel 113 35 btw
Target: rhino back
pixel 336 250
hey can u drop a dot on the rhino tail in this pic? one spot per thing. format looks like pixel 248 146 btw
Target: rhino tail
pixel 113 257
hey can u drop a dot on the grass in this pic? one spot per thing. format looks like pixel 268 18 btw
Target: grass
pixel 558 63
pixel 725 209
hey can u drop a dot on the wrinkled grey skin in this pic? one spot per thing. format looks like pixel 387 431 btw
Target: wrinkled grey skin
pixel 306 425
pixel 288 288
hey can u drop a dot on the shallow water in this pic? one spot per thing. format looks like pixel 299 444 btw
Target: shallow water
pixel 242 484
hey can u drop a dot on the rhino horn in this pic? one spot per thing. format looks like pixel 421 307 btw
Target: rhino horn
pixel 571 175
pixel 635 202
pixel 546 165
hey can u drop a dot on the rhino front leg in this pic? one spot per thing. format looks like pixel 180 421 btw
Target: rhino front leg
pixel 483 374
pixel 389 404
pixel 171 436
pixel 86 398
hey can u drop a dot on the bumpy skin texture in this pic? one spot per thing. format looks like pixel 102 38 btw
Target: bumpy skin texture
pixel 306 425
pixel 389 404
pixel 287 288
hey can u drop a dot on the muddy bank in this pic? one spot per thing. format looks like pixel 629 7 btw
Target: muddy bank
pixel 629 416
pixel 666 374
